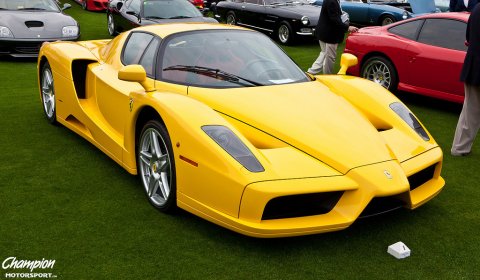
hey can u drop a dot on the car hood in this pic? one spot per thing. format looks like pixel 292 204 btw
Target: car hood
pixel 306 116
pixel 422 6
pixel 52 22
pixel 193 19
pixel 312 12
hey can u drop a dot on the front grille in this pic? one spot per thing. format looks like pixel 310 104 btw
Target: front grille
pixel 380 205
pixel 33 23
pixel 302 205
pixel 421 177
pixel 28 49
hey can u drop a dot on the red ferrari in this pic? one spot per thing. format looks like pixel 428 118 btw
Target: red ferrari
pixel 93 5
pixel 422 55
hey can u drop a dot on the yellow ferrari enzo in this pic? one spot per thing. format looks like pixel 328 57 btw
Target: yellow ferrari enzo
pixel 219 121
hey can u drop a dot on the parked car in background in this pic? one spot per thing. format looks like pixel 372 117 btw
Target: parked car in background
pixel 422 55
pixel 285 19
pixel 125 15
pixel 93 5
pixel 198 3
pixel 26 24
pixel 367 13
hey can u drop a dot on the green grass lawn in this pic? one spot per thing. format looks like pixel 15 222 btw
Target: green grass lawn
pixel 63 199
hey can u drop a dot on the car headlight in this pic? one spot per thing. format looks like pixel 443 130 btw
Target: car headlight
pixel 224 137
pixel 410 119
pixel 5 32
pixel 70 31
pixel 405 15
pixel 305 20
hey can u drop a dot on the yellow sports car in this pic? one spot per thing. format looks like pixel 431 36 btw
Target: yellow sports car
pixel 219 121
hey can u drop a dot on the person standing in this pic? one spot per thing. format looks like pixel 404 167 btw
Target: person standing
pixel 330 31
pixel 462 5
pixel 469 120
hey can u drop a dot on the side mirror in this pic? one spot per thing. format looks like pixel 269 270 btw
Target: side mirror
pixel 347 60
pixel 119 5
pixel 132 13
pixel 135 73
pixel 66 6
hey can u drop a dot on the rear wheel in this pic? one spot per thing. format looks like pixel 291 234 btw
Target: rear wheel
pixel 48 93
pixel 231 18
pixel 285 33
pixel 381 71
pixel 157 166
pixel 111 25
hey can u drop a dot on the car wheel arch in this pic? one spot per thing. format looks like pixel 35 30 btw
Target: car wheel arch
pixel 383 16
pixel 144 115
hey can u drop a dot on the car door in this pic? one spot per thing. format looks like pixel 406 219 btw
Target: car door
pixel 435 62
pixel 251 10
pixel 357 10
pixel 109 105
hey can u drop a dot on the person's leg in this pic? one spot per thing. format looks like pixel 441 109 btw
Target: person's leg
pixel 330 56
pixel 468 122
pixel 317 66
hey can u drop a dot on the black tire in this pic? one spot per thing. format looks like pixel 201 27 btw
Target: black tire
pixel 381 71
pixel 156 162
pixel 47 90
pixel 112 28
pixel 285 33
pixel 387 19
pixel 84 5
pixel 231 18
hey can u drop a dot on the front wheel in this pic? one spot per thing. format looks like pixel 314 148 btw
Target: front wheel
pixel 111 25
pixel 48 93
pixel 84 4
pixel 285 33
pixel 381 71
pixel 157 166
pixel 231 18
pixel 387 20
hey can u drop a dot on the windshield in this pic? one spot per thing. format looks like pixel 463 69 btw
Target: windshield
pixel 15 5
pixel 227 58
pixel 169 9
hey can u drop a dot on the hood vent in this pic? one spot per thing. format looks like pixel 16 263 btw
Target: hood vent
pixel 33 23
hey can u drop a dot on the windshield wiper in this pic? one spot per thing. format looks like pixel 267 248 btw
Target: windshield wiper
pixel 154 17
pixel 212 73
pixel 32 9
pixel 175 17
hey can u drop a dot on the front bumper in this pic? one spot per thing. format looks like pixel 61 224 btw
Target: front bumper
pixel 26 47
pixel 410 183
pixel 97 5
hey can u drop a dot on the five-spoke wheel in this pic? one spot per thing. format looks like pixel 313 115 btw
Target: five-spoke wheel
pixel 48 93
pixel 285 33
pixel 157 166
pixel 111 25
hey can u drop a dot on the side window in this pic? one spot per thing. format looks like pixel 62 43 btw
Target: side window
pixel 136 45
pixel 148 58
pixel 134 6
pixel 407 30
pixel 444 33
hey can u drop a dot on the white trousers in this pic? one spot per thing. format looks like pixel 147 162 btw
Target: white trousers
pixel 326 60
pixel 468 122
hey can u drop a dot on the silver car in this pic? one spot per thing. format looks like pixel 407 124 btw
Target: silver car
pixel 26 24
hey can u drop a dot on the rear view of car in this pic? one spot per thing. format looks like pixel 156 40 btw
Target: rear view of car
pixel 26 24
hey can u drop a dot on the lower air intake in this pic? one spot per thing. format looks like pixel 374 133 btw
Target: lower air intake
pixel 294 206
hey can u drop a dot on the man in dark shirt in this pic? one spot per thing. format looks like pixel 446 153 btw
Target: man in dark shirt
pixel 330 31
pixel 469 121
pixel 462 5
